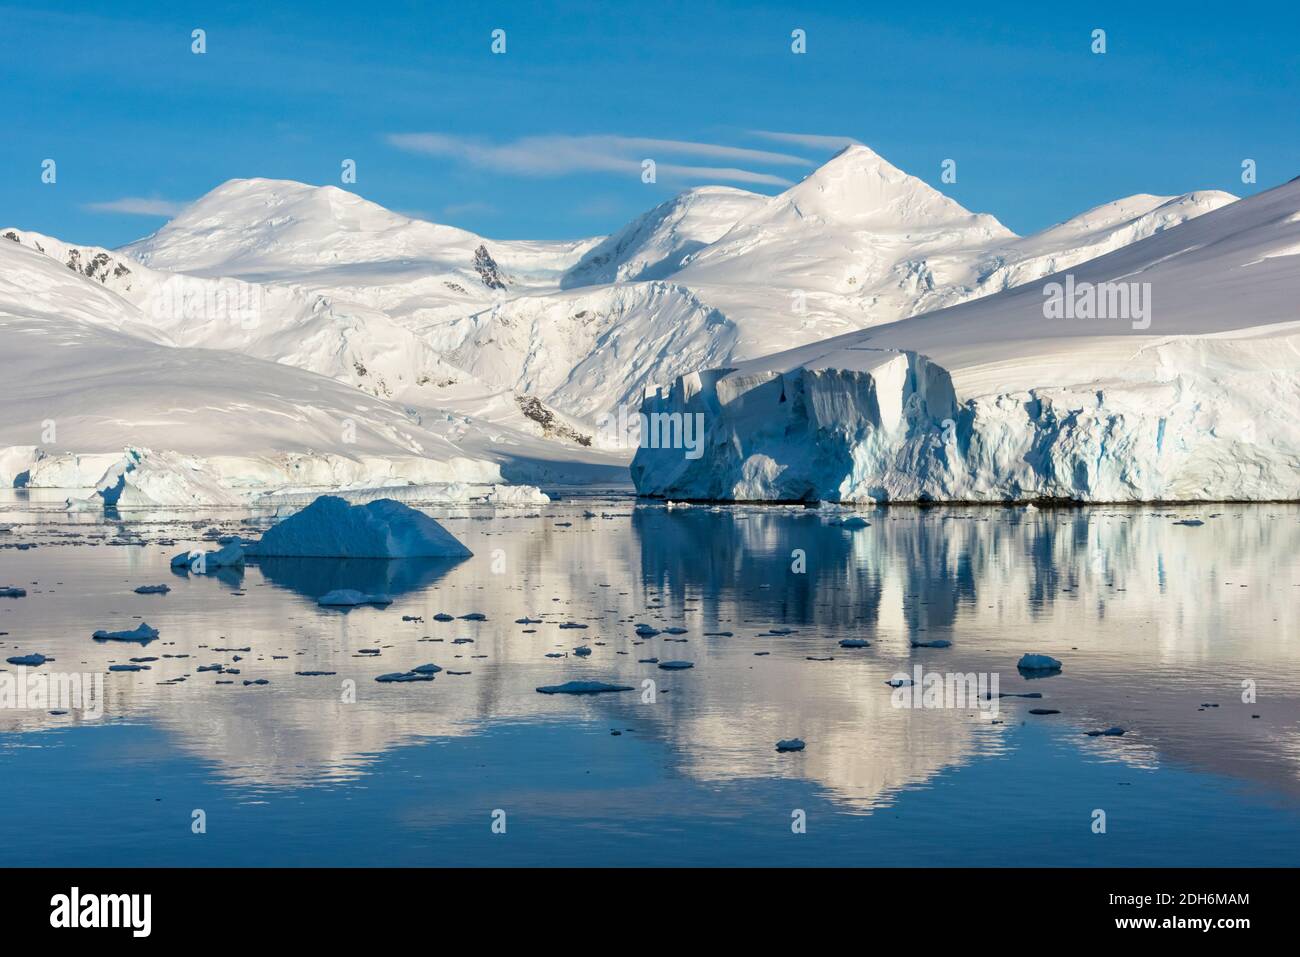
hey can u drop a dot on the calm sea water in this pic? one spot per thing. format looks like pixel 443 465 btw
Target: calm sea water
pixel 1154 622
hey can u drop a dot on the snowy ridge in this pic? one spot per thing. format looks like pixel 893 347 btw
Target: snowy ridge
pixel 994 401
pixel 858 243
pixel 80 389
pixel 657 244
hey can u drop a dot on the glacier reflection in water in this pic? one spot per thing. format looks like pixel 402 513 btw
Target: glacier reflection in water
pixel 1152 620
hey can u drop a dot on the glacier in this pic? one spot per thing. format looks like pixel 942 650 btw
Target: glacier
pixel 990 401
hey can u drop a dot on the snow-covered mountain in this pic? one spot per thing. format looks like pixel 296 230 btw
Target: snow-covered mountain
pixel 515 350
pixel 88 374
pixel 327 240
pixel 858 243
pixel 1167 369
pixel 657 244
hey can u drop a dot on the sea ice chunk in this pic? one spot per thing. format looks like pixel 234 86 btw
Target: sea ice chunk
pixel 331 528
pixel 141 633
pixel 583 687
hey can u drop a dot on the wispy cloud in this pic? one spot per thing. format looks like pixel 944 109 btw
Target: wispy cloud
pixel 560 155
pixel 471 208
pixel 138 206
pixel 815 141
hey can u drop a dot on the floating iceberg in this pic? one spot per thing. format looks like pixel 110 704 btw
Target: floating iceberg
pixel 583 687
pixel 230 555
pixel 331 528
pixel 1035 662
pixel 790 744
pixel 28 661
pixel 141 633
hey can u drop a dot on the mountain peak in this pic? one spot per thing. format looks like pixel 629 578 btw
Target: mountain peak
pixel 859 187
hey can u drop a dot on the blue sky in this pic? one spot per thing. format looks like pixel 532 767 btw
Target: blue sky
pixel 545 141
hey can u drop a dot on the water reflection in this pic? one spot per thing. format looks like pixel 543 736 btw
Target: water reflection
pixel 1151 619
pixel 314 577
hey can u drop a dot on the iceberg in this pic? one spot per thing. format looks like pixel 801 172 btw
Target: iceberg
pixel 583 687
pixel 1002 399
pixel 230 555
pixel 27 661
pixel 1038 663
pixel 141 633
pixel 331 528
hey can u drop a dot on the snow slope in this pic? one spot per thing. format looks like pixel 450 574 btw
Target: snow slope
pixel 993 400
pixel 78 389
pixel 858 243
pixel 654 245
pixel 514 351
pixel 333 242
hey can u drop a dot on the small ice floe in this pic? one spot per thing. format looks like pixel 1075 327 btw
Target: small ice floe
pixel 443 616
pixel 645 631
pixel 426 669
pixel 27 661
pixel 218 668
pixel 790 744
pixel 556 654
pixel 815 658
pixel 1189 522
pixel 853 523
pixel 412 618
pixel 11 592
pixel 582 651
pixel 141 633
pixel 854 643
pixel 230 555
pixel 474 616
pixel 933 643
pixel 403 677
pixel 647 661
pixel 568 624
pixel 529 621
pixel 674 631
pixel 350 597
pixel 1044 711
pixel 128 667
pixel 331 528
pixel 1108 733
pixel 256 681
pixel 676 665
pixel 1038 666
pixel 153 590
pixel 900 682
pixel 583 687
pixel 717 634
